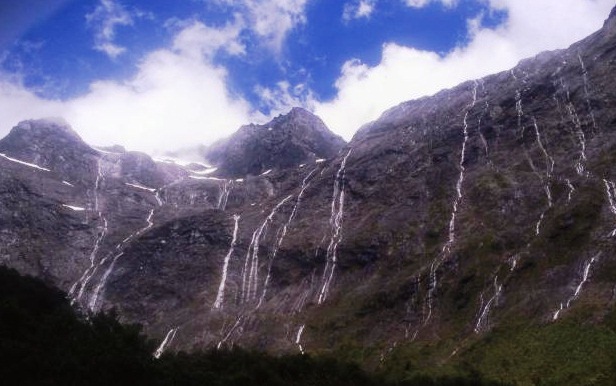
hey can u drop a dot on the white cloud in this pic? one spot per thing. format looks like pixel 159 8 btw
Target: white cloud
pixel 198 40
pixel 423 3
pixel 17 104
pixel 270 20
pixel 174 101
pixel 104 20
pixel 358 9
pixel 177 98
pixel 405 73
pixel 281 98
pixel 273 19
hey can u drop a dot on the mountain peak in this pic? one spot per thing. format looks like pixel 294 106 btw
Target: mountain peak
pixel 610 23
pixel 43 127
pixel 49 143
pixel 295 111
pixel 287 140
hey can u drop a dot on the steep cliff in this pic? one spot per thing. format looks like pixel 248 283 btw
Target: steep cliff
pixel 488 205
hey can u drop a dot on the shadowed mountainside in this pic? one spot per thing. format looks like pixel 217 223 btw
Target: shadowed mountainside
pixel 482 212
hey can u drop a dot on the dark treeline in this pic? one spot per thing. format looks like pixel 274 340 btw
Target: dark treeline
pixel 44 341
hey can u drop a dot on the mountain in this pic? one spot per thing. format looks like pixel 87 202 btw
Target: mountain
pixel 453 231
pixel 289 140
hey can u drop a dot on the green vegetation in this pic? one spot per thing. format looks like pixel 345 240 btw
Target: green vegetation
pixel 564 353
pixel 44 341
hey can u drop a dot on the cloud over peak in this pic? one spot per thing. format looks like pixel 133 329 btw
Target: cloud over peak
pixel 405 73
pixel 185 92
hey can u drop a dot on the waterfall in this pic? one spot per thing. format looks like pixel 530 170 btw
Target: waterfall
pixel 482 320
pixel 456 203
pixel 99 289
pixel 250 276
pixel 223 280
pixel 335 222
pixel 282 233
pixel 223 197
pixel 166 342
pixel 583 280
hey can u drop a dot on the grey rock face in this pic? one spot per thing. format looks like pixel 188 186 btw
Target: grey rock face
pixel 288 140
pixel 51 144
pixel 491 201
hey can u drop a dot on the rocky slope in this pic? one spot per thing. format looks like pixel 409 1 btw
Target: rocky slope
pixel 289 140
pixel 484 205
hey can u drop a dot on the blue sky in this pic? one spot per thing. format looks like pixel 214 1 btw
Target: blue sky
pixel 161 74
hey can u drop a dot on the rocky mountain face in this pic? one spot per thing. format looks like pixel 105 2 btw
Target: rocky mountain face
pixel 287 141
pixel 484 205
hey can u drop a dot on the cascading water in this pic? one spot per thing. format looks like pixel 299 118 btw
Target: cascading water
pixel 250 276
pixel 238 322
pixel 165 343
pixel 580 165
pixel 571 190
pixel 335 222
pixel 456 203
pixel 481 136
pixel 100 287
pixel 99 178
pixel 283 232
pixel 301 300
pixel 223 280
pixel 549 170
pixel 223 197
pixel 518 104
pixel 158 198
pixel 587 91
pixel 482 321
pixel 298 338
pixel 583 280
pixel 610 189
pixel 513 262
pixel 93 303
pixel 76 294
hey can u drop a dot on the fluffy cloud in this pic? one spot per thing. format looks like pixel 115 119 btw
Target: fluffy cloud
pixel 281 98
pixel 174 101
pixel 423 3
pixel 17 103
pixel 358 9
pixel 104 20
pixel 198 40
pixel 270 20
pixel 273 19
pixel 179 96
pixel 405 73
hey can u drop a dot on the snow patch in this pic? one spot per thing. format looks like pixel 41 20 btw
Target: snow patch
pixel 206 178
pixel 75 208
pixel 142 187
pixel 204 172
pixel 24 163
